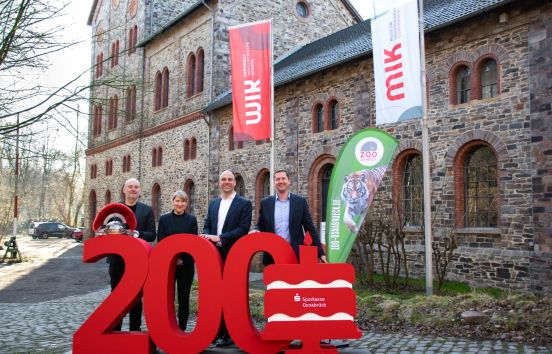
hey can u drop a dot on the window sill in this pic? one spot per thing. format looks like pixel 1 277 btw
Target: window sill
pixel 412 229
pixel 478 230
pixel 195 95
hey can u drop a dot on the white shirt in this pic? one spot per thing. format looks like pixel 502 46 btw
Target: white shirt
pixel 223 211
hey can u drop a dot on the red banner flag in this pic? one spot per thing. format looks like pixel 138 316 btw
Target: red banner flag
pixel 251 65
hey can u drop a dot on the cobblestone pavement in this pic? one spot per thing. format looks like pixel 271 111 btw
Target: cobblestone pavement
pixel 48 327
pixel 46 323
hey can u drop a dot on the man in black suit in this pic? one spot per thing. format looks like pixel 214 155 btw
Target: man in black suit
pixel 228 219
pixel 287 215
pixel 145 225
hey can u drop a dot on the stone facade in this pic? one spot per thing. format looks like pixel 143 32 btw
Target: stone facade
pixel 515 125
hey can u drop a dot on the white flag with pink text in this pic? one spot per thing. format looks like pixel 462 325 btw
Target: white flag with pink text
pixel 396 52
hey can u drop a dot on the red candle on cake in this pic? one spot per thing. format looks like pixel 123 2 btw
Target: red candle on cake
pixel 310 301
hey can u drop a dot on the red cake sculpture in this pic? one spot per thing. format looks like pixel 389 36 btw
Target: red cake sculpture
pixel 310 301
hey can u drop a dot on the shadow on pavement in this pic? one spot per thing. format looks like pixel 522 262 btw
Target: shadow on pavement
pixel 59 277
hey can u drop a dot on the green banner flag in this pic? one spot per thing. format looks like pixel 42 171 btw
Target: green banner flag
pixel 356 176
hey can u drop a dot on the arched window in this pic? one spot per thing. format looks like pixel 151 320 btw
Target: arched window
pixel 319 173
pixel 186 150
pixel 477 180
pixel 193 148
pixel 489 79
pixel 165 88
pixel 113 112
pixel 93 171
pixel 126 163
pixel 113 51
pixel 231 143
pixel 325 187
pixel 157 91
pixel 107 198
pixel 318 118
pixel 97 124
pixel 240 185
pixel 130 41
pixel 190 75
pixel 463 85
pixel 101 64
pixel 199 71
pixel 189 188
pixel 159 156
pixel 154 157
pixel 108 167
pixel 92 210
pixel 412 190
pixel 156 201
pixel 130 113
pixel 262 189
pixel 333 113
pixel 135 38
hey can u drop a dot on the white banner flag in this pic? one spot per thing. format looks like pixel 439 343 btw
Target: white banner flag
pixel 396 51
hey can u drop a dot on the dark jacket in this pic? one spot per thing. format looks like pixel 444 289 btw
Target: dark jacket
pixel 236 224
pixel 171 224
pixel 300 221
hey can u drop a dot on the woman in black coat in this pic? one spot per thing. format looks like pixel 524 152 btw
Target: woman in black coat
pixel 178 221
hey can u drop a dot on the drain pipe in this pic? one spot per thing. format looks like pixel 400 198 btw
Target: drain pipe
pixel 211 84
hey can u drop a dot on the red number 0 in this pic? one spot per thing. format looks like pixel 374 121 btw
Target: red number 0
pixel 216 294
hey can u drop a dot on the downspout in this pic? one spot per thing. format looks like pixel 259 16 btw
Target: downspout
pixel 211 75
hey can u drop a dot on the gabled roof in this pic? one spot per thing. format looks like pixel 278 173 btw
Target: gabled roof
pixel 356 41
pixel 170 24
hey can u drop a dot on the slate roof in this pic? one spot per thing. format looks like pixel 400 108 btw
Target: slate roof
pixel 356 41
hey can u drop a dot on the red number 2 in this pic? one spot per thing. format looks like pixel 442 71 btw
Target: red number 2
pixel 95 335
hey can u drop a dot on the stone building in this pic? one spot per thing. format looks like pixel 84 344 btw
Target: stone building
pixel 161 111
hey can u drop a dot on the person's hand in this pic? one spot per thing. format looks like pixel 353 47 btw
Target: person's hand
pixel 253 231
pixel 179 262
pixel 323 259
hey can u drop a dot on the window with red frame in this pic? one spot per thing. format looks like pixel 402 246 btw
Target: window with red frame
pixel 130 113
pixel 186 149
pixel 109 167
pixel 193 148
pixel 190 75
pixel 126 163
pixel 113 112
pixel 165 88
pixel 199 69
pixel 93 171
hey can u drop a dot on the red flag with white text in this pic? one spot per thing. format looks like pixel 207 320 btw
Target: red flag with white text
pixel 251 65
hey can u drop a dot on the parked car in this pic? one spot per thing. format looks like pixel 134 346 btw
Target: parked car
pixel 47 229
pixel 32 227
pixel 78 234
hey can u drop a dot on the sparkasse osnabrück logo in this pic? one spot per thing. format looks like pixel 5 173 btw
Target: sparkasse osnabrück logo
pixel 369 151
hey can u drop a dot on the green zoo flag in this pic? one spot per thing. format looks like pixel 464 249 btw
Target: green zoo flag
pixel 356 176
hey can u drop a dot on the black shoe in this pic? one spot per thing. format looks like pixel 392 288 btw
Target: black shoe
pixel 223 342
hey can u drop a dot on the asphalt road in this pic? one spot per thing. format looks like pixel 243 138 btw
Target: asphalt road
pixel 52 269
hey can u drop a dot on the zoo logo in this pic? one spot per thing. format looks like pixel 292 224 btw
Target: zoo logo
pixel 369 151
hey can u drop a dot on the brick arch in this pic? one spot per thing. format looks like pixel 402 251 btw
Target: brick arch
pixel 492 140
pixel 315 172
pixel 460 57
pixel 495 50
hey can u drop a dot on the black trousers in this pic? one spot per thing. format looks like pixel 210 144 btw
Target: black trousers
pixel 184 277
pixel 116 271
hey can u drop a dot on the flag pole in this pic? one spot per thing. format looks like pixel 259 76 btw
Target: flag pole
pixel 271 173
pixel 425 160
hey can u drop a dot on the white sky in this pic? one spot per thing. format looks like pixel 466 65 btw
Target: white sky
pixel 68 64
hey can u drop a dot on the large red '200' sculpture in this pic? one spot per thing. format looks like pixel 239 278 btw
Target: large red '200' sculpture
pixel 306 301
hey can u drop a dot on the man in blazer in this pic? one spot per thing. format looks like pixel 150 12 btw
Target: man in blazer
pixel 287 215
pixel 145 225
pixel 228 219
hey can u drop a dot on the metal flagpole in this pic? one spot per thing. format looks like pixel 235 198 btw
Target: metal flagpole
pixel 271 173
pixel 425 157
pixel 15 197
